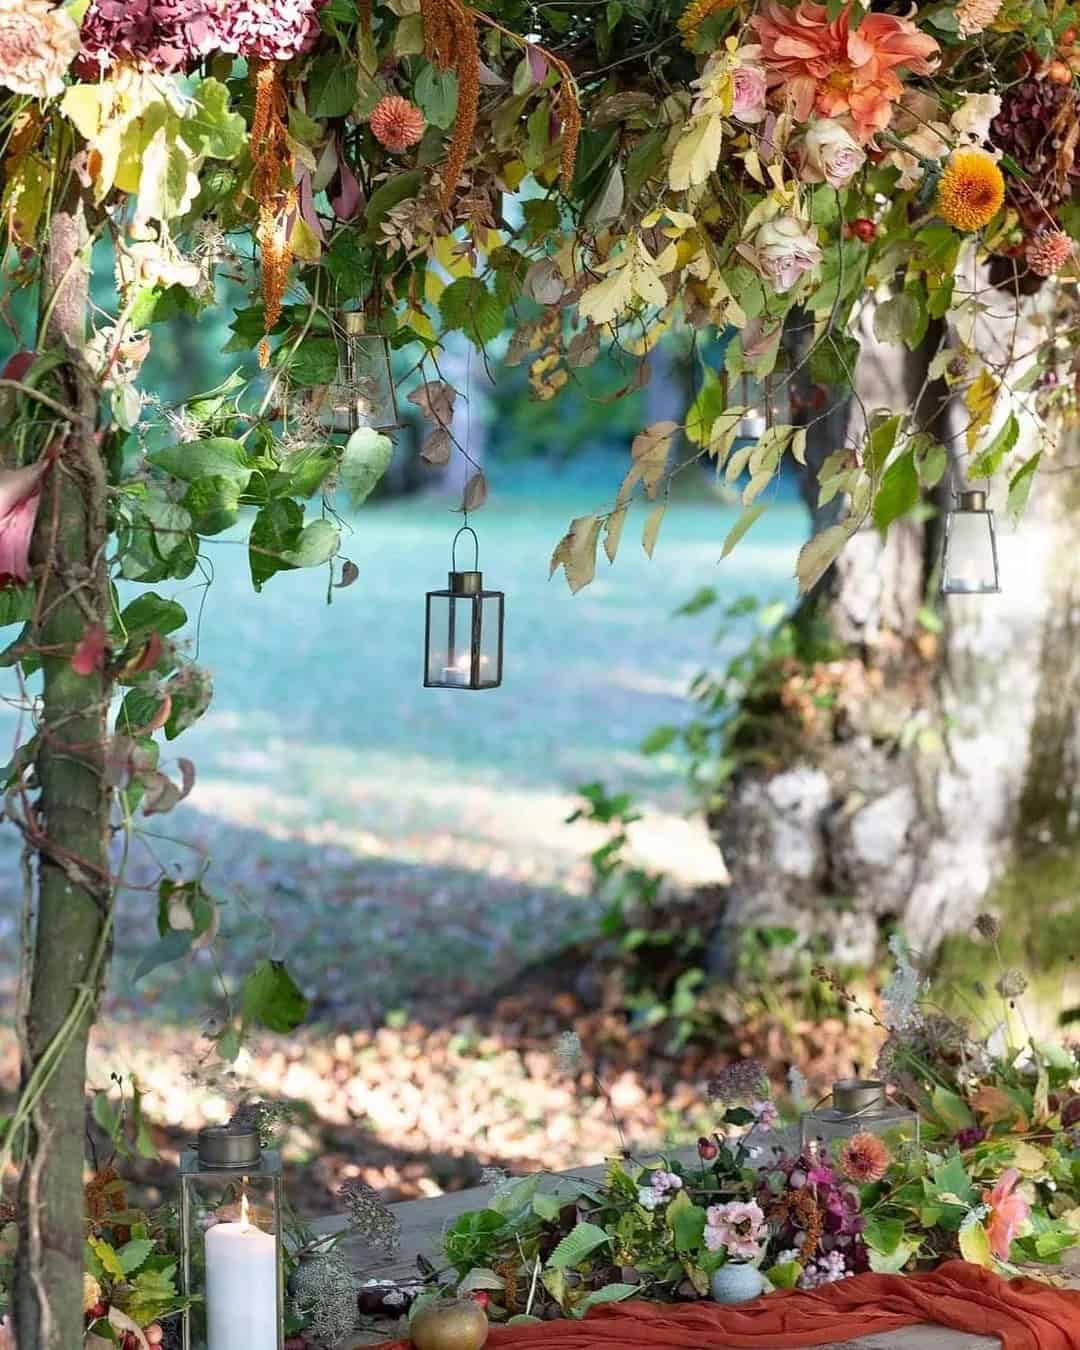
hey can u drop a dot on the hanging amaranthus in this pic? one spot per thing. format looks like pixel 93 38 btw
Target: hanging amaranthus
pixel 271 184
pixel 450 41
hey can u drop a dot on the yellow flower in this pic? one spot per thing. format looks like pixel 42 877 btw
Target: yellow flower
pixel 91 1292
pixel 695 14
pixel 971 190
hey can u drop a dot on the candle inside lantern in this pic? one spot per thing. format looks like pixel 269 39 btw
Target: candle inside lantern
pixel 241 1286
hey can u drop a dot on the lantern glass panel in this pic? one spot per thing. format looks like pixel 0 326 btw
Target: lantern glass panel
pixel 970 566
pixel 827 1127
pixel 362 394
pixel 231 1254
pixel 464 640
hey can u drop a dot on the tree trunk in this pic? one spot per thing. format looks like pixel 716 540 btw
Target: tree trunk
pixel 67 831
pixel 922 760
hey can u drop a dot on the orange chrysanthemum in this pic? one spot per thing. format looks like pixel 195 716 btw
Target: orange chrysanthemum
pixel 865 1158
pixel 396 123
pixel 971 190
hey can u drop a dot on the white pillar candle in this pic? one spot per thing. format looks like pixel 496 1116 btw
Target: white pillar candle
pixel 241 1286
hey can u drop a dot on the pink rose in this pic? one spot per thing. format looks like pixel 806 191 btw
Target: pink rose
pixel 782 249
pixel 38 41
pixel 830 154
pixel 749 86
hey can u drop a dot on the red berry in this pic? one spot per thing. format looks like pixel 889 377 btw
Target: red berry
pixel 862 228
pixel 98 1310
pixel 707 1150
pixel 481 1297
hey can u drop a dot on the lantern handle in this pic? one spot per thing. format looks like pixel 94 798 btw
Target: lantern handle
pixel 465 529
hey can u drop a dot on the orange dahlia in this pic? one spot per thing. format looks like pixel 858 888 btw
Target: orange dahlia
pixel 971 190
pixel 396 123
pixel 865 1158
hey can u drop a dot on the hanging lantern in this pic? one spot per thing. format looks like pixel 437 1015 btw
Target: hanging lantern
pixel 463 642
pixel 362 394
pixel 970 565
pixel 755 420
pixel 857 1106
pixel 231 1242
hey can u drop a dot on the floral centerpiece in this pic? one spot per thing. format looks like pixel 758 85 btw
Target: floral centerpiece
pixel 995 1181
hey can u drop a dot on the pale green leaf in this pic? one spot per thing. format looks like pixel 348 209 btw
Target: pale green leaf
pixel 366 458
pixel 741 526
pixel 818 554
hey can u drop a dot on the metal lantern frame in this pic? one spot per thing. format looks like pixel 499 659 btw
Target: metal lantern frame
pixel 228 1153
pixel 969 504
pixel 466 602
pixel 855 1105
pixel 360 352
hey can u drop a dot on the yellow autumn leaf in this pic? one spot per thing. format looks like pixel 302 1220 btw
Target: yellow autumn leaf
pixel 697 152
pixel 975 1245
pixel 446 250
pixel 575 552
pixel 979 401
pixel 604 301
pixel 1027 1158
pixel 652 528
pixel 304 242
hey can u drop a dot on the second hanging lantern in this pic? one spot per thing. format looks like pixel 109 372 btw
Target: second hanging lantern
pixel 463 637
pixel 362 394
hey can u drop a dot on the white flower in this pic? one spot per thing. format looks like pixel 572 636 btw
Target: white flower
pixel 901 995
pixel 648 1198
pixel 38 41
pixel 973 117
pixel 830 154
pixel 662 1182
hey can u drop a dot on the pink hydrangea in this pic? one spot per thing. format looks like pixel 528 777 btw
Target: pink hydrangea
pixel 270 30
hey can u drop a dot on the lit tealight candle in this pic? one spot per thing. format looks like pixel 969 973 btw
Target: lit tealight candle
pixel 241 1286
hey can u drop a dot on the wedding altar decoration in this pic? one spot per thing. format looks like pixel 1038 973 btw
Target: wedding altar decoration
pixel 994 1180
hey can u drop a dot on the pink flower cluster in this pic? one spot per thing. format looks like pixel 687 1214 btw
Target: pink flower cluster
pixel 738 1228
pixel 178 34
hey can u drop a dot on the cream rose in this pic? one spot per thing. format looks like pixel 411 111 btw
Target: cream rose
pixel 38 42
pixel 830 154
pixel 783 249
pixel 749 86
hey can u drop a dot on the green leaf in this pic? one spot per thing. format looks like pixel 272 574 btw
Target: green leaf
pixel 467 304
pixel 214 504
pixel 687 1223
pixel 366 458
pixel 931 460
pixel 898 493
pixel 191 690
pixel 579 1243
pixel 218 457
pixel 272 998
pixel 228 1044
pixel 898 318
pixel 786 1276
pixel 895 1262
pixel 1020 485
pixel 274 534
pixel 107 1255
pixel 318 542
pixel 16 604
pixel 211 128
pixel 331 86
pixel 951 1184
pixel 541 217
pixel 546 1207
pixel 658 739
pixel 132 1254
pixel 610 1293
pixel 314 362
pixel 951 1109
pixel 436 93
pixel 705 409
pixel 882 438
pixel 163 952
pixel 834 359
pixel 151 613
pixel 349 262
pixel 745 522
pixel 975 1244
pixel 989 460
pixel 883 1235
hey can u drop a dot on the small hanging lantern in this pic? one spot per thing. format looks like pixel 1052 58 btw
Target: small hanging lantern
pixel 970 565
pixel 362 394
pixel 857 1106
pixel 463 641
pixel 231 1255
pixel 755 420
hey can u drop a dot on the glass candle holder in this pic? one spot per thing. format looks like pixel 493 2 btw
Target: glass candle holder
pixel 857 1106
pixel 231 1242
pixel 970 564
pixel 463 633
pixel 362 394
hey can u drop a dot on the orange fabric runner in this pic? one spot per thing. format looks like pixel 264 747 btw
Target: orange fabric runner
pixel 1025 1314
